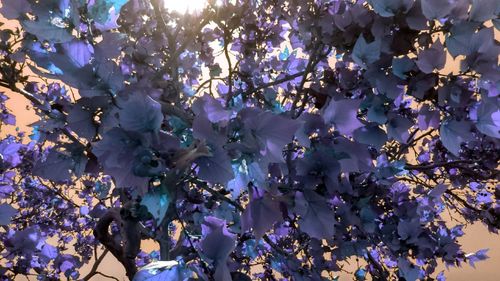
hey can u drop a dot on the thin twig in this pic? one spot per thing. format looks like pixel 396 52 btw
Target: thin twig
pixel 95 266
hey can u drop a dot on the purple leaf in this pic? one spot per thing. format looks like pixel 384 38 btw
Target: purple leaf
pixel 49 251
pixel 13 9
pixel 453 133
pixel 81 120
pixel 79 52
pixel 217 244
pixel 486 117
pixel 407 270
pixel 9 153
pixel 415 18
pixel 436 9
pixel 397 129
pixel 343 114
pixel 477 256
pixel 141 114
pixel 365 53
pixel 56 167
pixel 389 8
pixel 357 156
pixel 261 213
pixel 483 10
pixel 428 118
pixel 272 132
pixel 400 66
pixel 316 217
pixel 432 58
pixel 27 240
pixel 211 108
pixel 6 213
pixel 371 135
pixel 216 168
pixel 438 191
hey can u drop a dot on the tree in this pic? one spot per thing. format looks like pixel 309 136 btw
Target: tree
pixel 259 139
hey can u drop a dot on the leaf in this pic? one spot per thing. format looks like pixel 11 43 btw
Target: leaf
pixel 217 244
pixel 116 153
pixel 56 167
pixel 415 18
pixel 368 219
pixel 111 45
pixel 427 118
pixel 285 54
pixel 320 161
pixel 141 114
pixel 496 23
pixel 163 270
pixel 13 9
pixel 453 133
pixel 400 66
pixel 433 58
pixel 421 84
pixel 261 213
pixel 436 9
pixel 269 132
pixel 101 10
pixel 377 111
pixel 365 54
pixel 477 256
pixel 371 135
pixel 398 127
pixel 407 270
pixel 116 147
pixel 217 241
pixel 438 190
pixel 343 114
pixel 157 203
pixel 81 121
pixel 389 86
pixel 245 173
pixel 316 217
pixel 79 52
pixel 457 42
pixel 27 240
pixel 484 10
pixel 216 168
pixel 49 252
pixel 389 8
pixel 111 75
pixel 45 30
pixel 211 108
pixel 6 213
pixel 9 153
pixel 357 158
pixel 409 229
pixel 215 70
pixel 487 117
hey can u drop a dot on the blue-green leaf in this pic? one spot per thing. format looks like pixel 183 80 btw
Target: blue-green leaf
pixel 157 203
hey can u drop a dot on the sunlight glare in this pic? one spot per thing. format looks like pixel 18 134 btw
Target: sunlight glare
pixel 185 6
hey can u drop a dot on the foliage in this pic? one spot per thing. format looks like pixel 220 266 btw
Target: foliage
pixel 260 139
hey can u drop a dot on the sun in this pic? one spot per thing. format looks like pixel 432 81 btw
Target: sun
pixel 185 6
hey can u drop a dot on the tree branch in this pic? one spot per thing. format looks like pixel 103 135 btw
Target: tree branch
pixel 93 270
pixel 436 165
pixel 101 232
